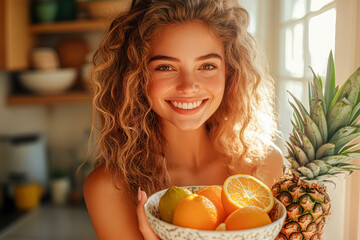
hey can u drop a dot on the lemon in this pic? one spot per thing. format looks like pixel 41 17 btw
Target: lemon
pixel 170 200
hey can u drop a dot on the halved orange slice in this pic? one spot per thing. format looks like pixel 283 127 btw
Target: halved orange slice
pixel 244 190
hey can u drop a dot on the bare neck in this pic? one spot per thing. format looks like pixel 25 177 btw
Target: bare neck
pixel 187 149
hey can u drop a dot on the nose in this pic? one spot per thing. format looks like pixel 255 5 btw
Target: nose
pixel 187 84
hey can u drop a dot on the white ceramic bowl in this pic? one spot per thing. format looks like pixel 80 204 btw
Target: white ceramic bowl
pixel 48 81
pixel 168 231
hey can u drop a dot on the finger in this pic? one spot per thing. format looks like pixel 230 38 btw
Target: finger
pixel 144 225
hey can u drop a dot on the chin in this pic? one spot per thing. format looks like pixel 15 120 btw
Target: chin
pixel 188 126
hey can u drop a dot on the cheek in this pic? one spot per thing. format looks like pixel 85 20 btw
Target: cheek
pixel 156 88
pixel 216 85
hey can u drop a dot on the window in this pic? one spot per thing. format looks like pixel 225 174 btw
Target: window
pixel 306 36
pixel 252 7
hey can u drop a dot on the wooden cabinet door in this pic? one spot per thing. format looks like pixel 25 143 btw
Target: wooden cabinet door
pixel 14 34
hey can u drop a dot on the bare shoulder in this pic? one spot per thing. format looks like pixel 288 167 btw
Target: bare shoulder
pixel 112 214
pixel 97 177
pixel 274 155
pixel 271 166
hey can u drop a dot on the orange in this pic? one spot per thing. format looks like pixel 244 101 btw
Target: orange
pixel 246 218
pixel 244 190
pixel 197 212
pixel 213 193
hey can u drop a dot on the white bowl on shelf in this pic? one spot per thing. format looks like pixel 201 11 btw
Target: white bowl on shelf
pixel 48 81
pixel 167 231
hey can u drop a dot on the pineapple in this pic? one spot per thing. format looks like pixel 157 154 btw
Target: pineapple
pixel 320 147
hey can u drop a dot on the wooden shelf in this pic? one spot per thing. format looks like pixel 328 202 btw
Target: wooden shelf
pixel 28 99
pixel 71 26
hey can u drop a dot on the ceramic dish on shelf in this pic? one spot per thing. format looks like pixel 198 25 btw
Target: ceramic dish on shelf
pixel 168 231
pixel 44 58
pixel 48 81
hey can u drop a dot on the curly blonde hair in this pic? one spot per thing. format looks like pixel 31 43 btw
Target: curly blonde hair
pixel 131 144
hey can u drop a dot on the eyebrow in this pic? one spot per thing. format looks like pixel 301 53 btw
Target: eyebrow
pixel 163 57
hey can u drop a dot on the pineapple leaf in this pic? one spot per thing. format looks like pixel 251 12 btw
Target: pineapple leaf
pixel 343 132
pixel 348 148
pixel 343 142
pixel 293 162
pixel 337 159
pixel 324 167
pixel 290 150
pixel 308 148
pixel 349 166
pixel 300 155
pixel 336 97
pixel 296 134
pixel 355 113
pixel 325 150
pixel 312 132
pixel 317 91
pixel 321 85
pixel 325 179
pixel 318 116
pixel 314 168
pixel 299 124
pixel 339 115
pixel 298 117
pixel 311 89
pixel 330 82
pixel 337 170
pixel 352 87
pixel 306 172
pixel 294 141
pixel 300 105
pixel 356 124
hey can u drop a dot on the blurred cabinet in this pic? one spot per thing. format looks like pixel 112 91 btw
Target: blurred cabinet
pixel 15 40
pixel 18 35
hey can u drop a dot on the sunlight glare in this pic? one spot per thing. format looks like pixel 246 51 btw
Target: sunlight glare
pixel 293 9
pixel 321 40
pixel 294 63
pixel 318 4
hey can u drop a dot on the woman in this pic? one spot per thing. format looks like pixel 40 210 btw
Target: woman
pixel 182 99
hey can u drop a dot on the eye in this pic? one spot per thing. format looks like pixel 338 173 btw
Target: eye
pixel 164 68
pixel 207 67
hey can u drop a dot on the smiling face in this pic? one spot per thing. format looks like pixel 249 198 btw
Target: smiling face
pixel 187 67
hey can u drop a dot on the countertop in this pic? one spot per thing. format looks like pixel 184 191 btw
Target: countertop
pixel 51 223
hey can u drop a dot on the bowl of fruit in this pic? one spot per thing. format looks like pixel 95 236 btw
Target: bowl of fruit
pixel 242 208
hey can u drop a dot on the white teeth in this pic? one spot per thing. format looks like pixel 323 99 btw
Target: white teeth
pixel 187 105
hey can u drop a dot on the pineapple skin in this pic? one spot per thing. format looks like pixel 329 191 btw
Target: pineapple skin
pixel 308 206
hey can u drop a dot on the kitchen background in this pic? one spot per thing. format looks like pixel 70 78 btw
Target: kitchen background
pixel 45 119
